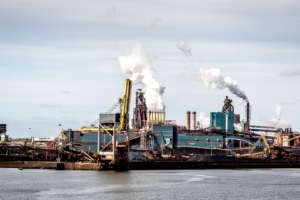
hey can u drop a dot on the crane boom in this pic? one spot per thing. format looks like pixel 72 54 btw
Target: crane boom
pixel 126 103
pixel 124 119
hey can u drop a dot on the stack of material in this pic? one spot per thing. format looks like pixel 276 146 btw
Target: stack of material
pixel 137 156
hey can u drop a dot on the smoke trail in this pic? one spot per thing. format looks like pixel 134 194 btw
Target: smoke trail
pixel 186 51
pixel 238 127
pixel 205 121
pixel 138 64
pixel 278 110
pixel 152 22
pixel 276 122
pixel 212 78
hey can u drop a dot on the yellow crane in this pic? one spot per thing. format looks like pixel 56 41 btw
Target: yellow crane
pixel 266 152
pixel 253 155
pixel 164 146
pixel 124 103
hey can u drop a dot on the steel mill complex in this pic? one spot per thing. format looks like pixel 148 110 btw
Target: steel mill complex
pixel 144 139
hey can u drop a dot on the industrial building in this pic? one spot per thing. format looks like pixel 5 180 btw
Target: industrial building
pixel 148 135
pixel 150 130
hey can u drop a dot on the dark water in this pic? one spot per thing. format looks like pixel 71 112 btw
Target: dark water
pixel 167 185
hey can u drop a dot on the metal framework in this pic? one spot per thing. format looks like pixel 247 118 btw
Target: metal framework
pixel 267 151
pixel 113 153
pixel 227 105
pixel 140 111
pixel 248 117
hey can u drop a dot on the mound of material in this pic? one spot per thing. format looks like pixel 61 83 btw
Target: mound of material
pixel 148 155
pixel 137 156
pixel 218 158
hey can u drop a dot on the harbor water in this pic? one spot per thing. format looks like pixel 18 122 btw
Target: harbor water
pixel 150 184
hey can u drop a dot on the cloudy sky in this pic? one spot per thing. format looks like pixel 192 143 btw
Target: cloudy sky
pixel 59 59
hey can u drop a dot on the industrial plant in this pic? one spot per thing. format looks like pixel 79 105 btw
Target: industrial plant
pixel 141 138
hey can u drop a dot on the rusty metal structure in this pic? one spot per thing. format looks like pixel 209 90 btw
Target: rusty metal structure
pixel 188 120
pixel 227 105
pixel 139 120
pixel 193 121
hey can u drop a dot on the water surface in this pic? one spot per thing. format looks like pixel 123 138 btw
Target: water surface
pixel 150 184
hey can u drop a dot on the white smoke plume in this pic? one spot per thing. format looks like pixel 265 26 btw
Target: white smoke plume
pixel 238 127
pixel 212 78
pixel 276 122
pixel 138 64
pixel 186 51
pixel 152 22
pixel 278 110
pixel 204 121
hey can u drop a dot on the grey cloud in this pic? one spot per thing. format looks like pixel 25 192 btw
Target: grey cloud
pixel 290 73
pixel 64 92
pixel 152 22
pixel 186 51
pixel 48 105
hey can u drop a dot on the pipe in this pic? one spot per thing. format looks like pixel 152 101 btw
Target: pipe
pixel 193 121
pixel 188 120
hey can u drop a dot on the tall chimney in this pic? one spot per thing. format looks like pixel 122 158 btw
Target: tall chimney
pixel 193 121
pixel 188 120
pixel 248 118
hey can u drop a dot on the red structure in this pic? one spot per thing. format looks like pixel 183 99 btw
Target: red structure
pixel 188 120
pixel 139 120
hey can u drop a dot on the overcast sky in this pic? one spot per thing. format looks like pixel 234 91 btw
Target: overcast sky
pixel 59 59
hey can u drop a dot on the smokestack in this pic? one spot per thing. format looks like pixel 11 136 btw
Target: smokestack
pixel 248 117
pixel 193 121
pixel 188 120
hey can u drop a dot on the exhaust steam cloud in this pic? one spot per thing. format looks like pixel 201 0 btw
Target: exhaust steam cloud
pixel 186 52
pixel 212 78
pixel 275 122
pixel 279 123
pixel 138 64
pixel 278 110
pixel 204 121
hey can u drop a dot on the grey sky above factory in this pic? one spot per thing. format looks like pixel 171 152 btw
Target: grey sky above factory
pixel 59 59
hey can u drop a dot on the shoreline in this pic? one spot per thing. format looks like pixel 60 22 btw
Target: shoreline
pixel 153 165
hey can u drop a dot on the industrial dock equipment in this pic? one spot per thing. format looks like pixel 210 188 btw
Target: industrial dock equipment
pixel 110 123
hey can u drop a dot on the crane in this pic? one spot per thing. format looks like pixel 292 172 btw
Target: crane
pixel 266 152
pixel 164 146
pixel 124 104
